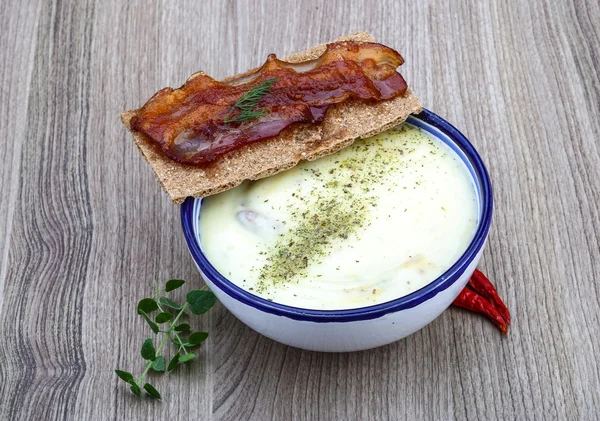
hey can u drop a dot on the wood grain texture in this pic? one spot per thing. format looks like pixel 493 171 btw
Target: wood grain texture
pixel 85 228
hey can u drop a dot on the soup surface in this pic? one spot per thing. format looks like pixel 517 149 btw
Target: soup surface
pixel 372 223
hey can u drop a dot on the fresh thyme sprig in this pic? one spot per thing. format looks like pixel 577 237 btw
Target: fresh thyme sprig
pixel 248 102
pixel 169 312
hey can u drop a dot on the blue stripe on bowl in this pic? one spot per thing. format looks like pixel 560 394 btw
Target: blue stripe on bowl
pixel 439 128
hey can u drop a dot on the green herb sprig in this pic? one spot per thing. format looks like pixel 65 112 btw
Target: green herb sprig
pixel 169 315
pixel 248 102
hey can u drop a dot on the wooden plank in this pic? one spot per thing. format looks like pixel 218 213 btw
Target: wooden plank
pixel 51 228
pixel 86 229
pixel 17 42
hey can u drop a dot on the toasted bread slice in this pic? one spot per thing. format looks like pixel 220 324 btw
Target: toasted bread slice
pixel 343 124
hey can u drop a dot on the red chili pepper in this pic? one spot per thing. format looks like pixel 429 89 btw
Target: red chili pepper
pixel 480 296
pixel 482 285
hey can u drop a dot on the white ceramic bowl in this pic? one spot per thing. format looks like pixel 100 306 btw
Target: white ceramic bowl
pixel 365 327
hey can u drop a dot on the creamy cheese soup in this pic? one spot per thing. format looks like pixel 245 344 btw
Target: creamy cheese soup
pixel 372 223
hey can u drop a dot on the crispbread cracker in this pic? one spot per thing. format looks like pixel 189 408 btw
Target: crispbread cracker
pixel 343 124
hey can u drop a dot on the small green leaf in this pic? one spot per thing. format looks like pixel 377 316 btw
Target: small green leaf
pixel 173 363
pixel 159 363
pixel 163 317
pixel 200 301
pixel 135 389
pixel 184 327
pixel 174 284
pixel 170 303
pixel 187 357
pixel 148 352
pixel 124 375
pixel 153 325
pixel 147 305
pixel 197 338
pixel 151 391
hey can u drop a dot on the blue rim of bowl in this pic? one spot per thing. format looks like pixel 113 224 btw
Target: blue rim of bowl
pixel 482 181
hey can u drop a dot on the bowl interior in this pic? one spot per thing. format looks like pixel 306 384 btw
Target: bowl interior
pixel 436 126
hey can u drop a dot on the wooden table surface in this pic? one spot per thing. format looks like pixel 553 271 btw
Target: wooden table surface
pixel 85 228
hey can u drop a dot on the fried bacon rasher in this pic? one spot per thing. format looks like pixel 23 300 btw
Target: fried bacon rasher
pixel 205 118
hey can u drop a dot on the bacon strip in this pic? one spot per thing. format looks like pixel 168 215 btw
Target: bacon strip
pixel 187 123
